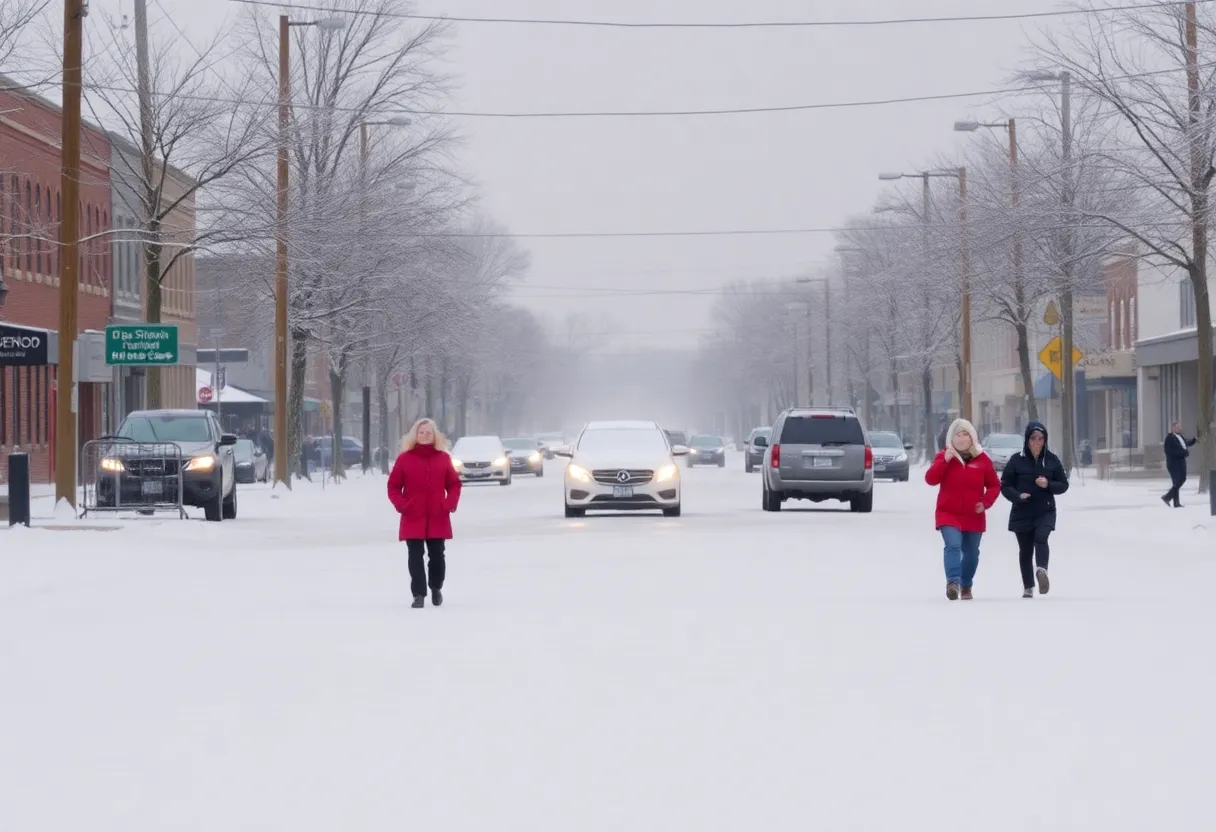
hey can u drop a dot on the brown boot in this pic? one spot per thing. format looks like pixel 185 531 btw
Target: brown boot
pixel 952 591
pixel 967 596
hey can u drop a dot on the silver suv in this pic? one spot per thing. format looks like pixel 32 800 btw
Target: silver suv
pixel 818 454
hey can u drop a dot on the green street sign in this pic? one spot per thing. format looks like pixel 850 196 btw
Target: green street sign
pixel 137 345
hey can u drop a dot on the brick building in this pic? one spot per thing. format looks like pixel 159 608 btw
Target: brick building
pixel 30 207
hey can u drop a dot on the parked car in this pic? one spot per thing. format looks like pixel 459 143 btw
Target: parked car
pixel 753 456
pixel 890 456
pixel 818 454
pixel 707 450
pixel 352 451
pixel 622 466
pixel 549 441
pixel 1001 446
pixel 138 473
pixel 481 459
pixel 252 464
pixel 526 455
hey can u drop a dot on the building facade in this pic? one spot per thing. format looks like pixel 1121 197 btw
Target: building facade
pixel 30 208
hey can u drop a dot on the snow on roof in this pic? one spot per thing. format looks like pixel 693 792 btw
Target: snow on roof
pixel 230 394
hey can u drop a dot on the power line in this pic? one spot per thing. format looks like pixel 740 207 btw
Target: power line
pixel 770 24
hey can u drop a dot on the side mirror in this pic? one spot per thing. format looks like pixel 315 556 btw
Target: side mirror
pixel 564 451
pixel 228 439
pixel 679 450
pixel 908 446
pixel 760 442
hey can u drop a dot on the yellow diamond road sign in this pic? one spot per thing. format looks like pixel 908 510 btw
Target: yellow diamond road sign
pixel 1053 354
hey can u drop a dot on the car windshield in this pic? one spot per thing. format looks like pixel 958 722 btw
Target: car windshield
pixel 1003 441
pixel 478 448
pixel 821 430
pixel 165 429
pixel 706 442
pixel 243 450
pixel 519 444
pixel 622 440
pixel 765 432
pixel 886 440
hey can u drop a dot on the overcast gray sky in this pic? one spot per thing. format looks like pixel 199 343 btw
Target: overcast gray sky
pixel 809 169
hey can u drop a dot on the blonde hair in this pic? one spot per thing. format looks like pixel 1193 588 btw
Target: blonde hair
pixel 411 439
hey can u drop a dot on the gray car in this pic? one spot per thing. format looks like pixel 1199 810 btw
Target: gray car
pixel 1001 446
pixel 753 452
pixel 890 456
pixel 818 454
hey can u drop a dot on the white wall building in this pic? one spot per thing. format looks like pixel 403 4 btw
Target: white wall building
pixel 1167 351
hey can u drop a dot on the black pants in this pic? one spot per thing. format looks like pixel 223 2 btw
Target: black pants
pixel 1174 493
pixel 1032 550
pixel 418 577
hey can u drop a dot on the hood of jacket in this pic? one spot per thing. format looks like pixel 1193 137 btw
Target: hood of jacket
pixel 963 426
pixel 1031 427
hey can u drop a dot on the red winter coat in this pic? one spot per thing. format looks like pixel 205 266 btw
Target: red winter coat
pixel 424 488
pixel 961 487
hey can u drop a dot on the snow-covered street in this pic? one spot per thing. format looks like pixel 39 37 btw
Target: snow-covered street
pixel 729 669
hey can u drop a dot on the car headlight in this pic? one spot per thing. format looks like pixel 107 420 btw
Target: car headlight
pixel 667 472
pixel 114 465
pixel 500 462
pixel 535 457
pixel 201 463
pixel 578 472
pixel 456 463
pixel 901 458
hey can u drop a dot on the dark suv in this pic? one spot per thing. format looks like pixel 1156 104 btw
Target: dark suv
pixel 818 454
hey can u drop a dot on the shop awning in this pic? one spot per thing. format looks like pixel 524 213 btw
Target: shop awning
pixel 229 395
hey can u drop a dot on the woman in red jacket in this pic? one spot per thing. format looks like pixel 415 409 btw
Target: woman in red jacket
pixel 425 489
pixel 968 487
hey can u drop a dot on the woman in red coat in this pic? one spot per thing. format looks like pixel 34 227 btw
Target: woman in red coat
pixel 425 489
pixel 967 487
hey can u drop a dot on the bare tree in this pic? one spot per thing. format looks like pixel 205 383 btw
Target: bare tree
pixel 175 137
pixel 16 19
pixel 1153 67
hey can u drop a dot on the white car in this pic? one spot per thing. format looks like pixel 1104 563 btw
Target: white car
pixel 622 466
pixel 481 459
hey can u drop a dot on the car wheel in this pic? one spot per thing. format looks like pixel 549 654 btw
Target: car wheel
pixel 507 481
pixel 771 500
pixel 230 505
pixel 721 463
pixel 214 510
pixel 540 473
pixel 863 504
pixel 571 511
pixel 747 467
pixel 674 511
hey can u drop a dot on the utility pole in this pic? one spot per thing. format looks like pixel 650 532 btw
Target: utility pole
pixel 66 402
pixel 282 442
pixel 1068 399
pixel 965 404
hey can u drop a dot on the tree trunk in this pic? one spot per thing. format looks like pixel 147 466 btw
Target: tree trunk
pixel 1203 332
pixel 430 389
pixel 895 414
pixel 153 255
pixel 926 383
pixel 1032 406
pixel 443 394
pixel 386 450
pixel 462 415
pixel 295 404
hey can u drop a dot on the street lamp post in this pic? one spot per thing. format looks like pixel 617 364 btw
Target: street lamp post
pixel 827 318
pixel 282 440
pixel 965 255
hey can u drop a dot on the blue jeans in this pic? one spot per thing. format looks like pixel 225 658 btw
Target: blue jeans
pixel 961 556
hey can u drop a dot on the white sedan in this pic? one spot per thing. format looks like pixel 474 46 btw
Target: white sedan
pixel 622 466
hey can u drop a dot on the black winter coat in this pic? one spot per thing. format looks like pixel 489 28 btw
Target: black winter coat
pixel 1038 512
pixel 1176 451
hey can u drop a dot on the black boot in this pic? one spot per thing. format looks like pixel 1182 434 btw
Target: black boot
pixel 437 597
pixel 419 602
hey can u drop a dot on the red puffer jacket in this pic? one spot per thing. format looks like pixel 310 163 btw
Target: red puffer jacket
pixel 961 486
pixel 425 489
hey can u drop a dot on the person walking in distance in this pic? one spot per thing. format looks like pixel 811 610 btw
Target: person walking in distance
pixel 1032 480
pixel 425 489
pixel 967 488
pixel 1177 449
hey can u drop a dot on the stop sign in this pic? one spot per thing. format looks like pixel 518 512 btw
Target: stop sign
pixel 205 394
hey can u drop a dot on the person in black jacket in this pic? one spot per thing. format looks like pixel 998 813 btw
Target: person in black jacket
pixel 1176 451
pixel 1031 481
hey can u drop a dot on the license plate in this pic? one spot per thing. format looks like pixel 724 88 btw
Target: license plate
pixel 821 462
pixel 152 488
pixel 622 492
pixel 880 467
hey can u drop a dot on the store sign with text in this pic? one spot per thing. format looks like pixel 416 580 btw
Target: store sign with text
pixel 23 346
